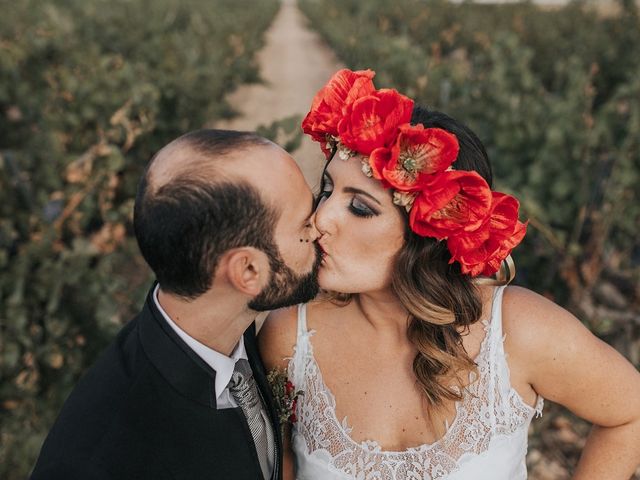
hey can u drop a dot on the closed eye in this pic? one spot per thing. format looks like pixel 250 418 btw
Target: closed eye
pixel 361 209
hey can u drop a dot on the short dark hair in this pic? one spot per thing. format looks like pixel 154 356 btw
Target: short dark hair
pixel 185 225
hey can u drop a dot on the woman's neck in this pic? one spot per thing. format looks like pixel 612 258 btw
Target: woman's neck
pixel 383 311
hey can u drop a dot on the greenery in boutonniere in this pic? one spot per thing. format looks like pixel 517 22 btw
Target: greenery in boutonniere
pixel 285 396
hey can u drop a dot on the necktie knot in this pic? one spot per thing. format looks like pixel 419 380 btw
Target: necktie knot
pixel 241 384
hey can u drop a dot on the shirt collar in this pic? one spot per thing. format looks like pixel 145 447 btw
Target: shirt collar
pixel 222 364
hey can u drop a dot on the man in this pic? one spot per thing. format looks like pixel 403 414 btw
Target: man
pixel 224 219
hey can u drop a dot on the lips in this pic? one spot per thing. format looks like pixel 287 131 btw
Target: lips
pixel 323 252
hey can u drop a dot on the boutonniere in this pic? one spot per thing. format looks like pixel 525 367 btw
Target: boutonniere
pixel 285 396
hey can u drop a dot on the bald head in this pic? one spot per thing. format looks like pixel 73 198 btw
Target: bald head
pixel 201 154
pixel 205 193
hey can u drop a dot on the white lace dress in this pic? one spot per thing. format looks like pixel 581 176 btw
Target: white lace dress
pixel 486 440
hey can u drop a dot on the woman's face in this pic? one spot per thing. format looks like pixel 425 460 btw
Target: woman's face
pixel 361 230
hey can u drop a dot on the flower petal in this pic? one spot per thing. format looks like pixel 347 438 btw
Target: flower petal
pixel 482 251
pixel 419 151
pixel 372 121
pixel 331 102
pixel 452 202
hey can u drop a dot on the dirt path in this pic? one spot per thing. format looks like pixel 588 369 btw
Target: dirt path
pixel 294 64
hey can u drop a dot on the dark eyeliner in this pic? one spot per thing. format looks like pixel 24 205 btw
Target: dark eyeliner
pixel 365 212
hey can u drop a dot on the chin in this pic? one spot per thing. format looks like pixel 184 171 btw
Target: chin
pixel 356 283
pixel 328 281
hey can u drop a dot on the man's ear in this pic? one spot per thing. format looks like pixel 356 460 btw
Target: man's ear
pixel 247 269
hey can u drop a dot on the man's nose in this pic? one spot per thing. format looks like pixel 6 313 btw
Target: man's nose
pixel 314 232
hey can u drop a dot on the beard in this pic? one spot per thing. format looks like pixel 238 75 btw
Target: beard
pixel 285 287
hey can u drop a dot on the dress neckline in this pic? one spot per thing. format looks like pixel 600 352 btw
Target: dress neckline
pixel 372 445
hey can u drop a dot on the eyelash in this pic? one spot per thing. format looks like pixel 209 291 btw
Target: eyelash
pixel 365 212
pixel 322 195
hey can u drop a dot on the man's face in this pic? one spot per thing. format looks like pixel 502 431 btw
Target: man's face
pixel 296 257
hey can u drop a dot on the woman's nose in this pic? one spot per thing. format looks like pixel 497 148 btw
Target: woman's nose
pixel 322 217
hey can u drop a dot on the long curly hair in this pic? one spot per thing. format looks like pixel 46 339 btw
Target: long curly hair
pixel 442 302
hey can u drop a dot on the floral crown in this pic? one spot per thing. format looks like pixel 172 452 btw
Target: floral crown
pixel 349 117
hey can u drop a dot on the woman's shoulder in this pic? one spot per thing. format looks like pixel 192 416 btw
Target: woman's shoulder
pixel 279 333
pixel 277 337
pixel 528 315
pixel 538 331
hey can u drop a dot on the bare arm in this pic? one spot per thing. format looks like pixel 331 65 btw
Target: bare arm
pixel 276 340
pixel 565 363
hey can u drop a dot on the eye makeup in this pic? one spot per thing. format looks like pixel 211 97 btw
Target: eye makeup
pixel 357 206
pixel 361 209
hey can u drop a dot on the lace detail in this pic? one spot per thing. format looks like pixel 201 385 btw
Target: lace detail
pixel 489 408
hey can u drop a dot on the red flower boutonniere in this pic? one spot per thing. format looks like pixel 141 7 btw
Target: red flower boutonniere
pixel 285 396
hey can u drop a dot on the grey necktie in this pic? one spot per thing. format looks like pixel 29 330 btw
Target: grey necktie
pixel 245 392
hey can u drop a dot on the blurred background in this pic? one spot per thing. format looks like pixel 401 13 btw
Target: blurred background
pixel 90 89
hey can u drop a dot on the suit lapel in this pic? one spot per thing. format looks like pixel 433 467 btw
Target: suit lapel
pixel 176 362
pixel 194 379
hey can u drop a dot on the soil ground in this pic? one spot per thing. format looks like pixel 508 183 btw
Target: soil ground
pixel 294 64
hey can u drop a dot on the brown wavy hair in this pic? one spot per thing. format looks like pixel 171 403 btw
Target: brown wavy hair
pixel 442 301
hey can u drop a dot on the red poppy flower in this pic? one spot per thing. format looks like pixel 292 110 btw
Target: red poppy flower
pixel 372 121
pixel 452 202
pixel 417 152
pixel 378 160
pixel 330 102
pixel 482 251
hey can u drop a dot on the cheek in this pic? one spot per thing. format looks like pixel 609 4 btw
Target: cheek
pixel 364 257
pixel 297 255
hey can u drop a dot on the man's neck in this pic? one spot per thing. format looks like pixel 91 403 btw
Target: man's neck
pixel 216 320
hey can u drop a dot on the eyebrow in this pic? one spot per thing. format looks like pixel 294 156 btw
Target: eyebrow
pixel 354 190
pixel 361 192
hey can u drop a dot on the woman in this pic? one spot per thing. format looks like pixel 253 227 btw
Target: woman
pixel 428 369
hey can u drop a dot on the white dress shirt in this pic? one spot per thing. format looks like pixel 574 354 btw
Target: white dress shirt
pixel 222 364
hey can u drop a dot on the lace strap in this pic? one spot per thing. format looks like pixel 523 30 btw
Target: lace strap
pixel 496 358
pixel 302 320
pixel 496 315
pixel 301 349
pixel 498 364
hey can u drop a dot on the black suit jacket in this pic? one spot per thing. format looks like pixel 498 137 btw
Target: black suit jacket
pixel 147 410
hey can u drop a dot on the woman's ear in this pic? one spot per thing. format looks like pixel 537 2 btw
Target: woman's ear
pixel 247 269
